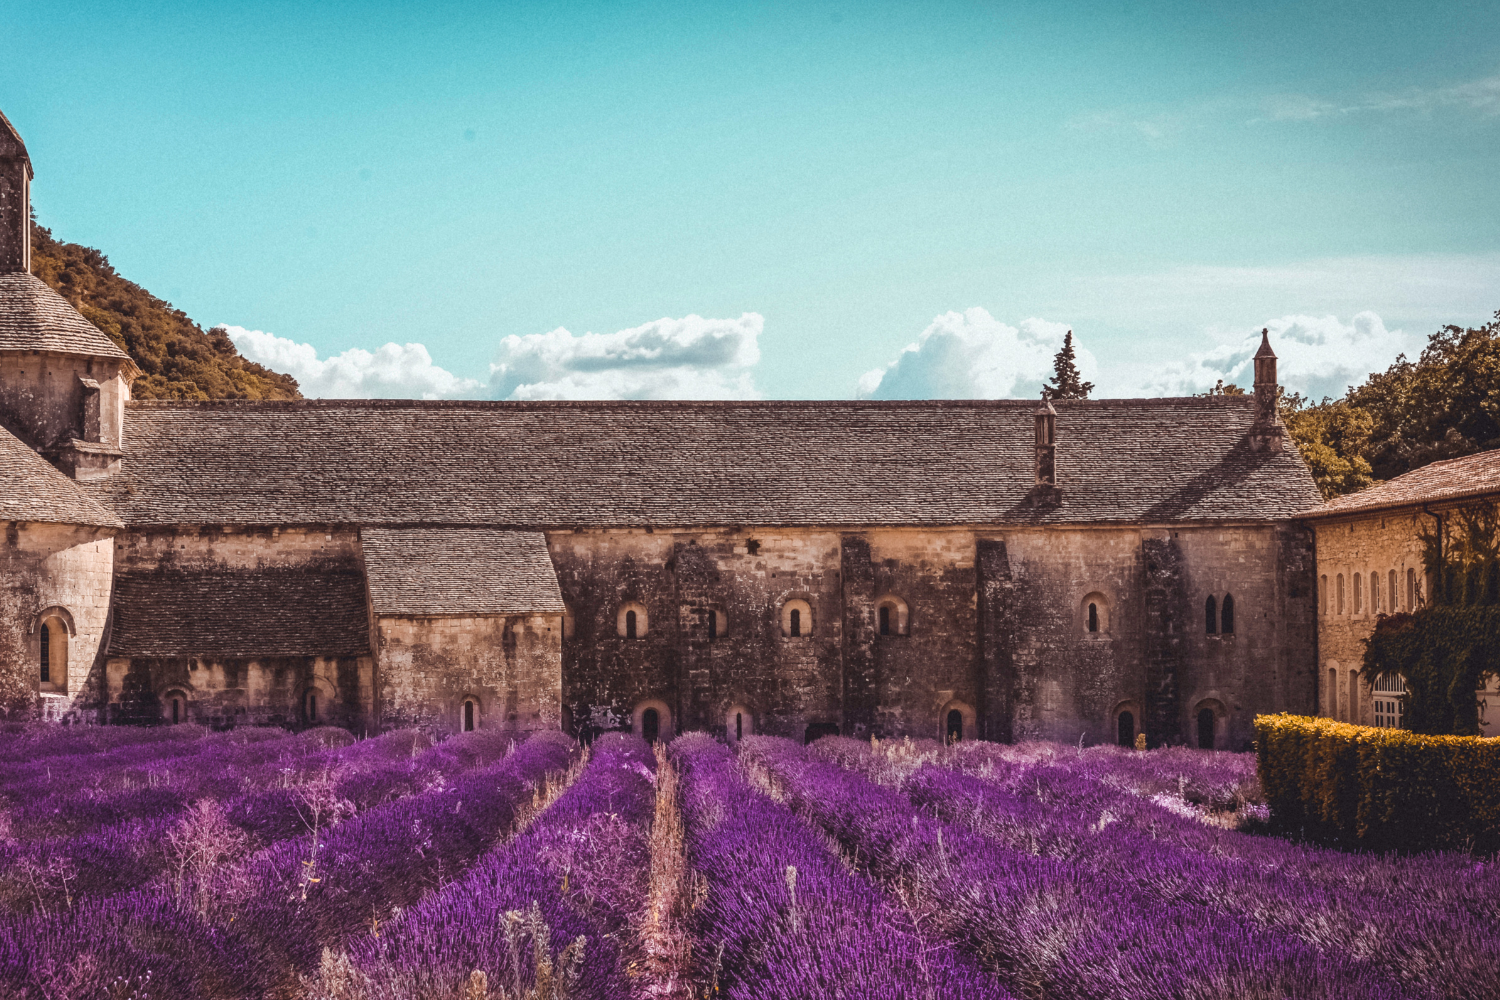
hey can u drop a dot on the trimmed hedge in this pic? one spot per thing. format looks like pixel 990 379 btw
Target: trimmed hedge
pixel 1381 789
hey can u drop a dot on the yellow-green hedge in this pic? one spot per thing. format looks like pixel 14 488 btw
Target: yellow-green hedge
pixel 1385 789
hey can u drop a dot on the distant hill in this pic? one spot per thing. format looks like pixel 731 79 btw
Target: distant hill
pixel 179 359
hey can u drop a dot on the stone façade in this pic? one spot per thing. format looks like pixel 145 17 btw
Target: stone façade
pixel 983 569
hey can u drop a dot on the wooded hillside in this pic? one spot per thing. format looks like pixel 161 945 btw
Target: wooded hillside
pixel 178 358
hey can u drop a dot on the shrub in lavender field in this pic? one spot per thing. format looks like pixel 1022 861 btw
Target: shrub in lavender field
pixel 343 878
pixel 27 742
pixel 782 917
pixel 541 917
pixel 1044 926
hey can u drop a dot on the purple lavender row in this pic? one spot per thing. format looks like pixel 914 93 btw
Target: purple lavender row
pixel 1044 926
pixel 22 742
pixel 145 931
pixel 130 854
pixel 1430 949
pixel 561 894
pixel 1450 880
pixel 303 900
pixel 784 919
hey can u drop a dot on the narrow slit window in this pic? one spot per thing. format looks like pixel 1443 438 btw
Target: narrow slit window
pixel 1359 593
pixel 1411 590
pixel 1210 616
pixel 796 622
pixel 46 654
pixel 739 725
pixel 312 706
pixel 1375 593
pixel 1391 589
pixel 713 625
pixel 469 716
pixel 176 710
pixel 885 619
pixel 1341 593
pixel 630 624
pixel 1226 616
pixel 1323 592
pixel 1093 617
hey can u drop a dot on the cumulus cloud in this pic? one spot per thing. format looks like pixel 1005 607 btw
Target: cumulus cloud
pixel 395 371
pixel 688 358
pixel 972 355
pixel 1318 356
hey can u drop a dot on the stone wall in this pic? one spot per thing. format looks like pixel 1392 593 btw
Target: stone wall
pixel 1350 549
pixel 42 398
pixel 997 630
pixel 510 667
pixel 65 572
pixel 266 691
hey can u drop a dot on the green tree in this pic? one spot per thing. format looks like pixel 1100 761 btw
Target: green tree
pixel 1333 437
pixel 1066 382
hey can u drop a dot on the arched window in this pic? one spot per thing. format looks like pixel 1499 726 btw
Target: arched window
pixel 796 619
pixel 739 722
pixel 469 713
pixel 1210 616
pixel 312 706
pixel 1411 590
pixel 632 621
pixel 1226 616
pixel 1391 589
pixel 1125 734
pixel 176 710
pixel 652 720
pixel 1093 617
pixel 890 615
pixel 1359 593
pixel 1341 593
pixel 46 664
pixel 739 725
pixel 1323 591
pixel 1205 729
pixel 1375 593
pixel 954 730
pixel 650 725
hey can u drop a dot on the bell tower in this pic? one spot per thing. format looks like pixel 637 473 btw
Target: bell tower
pixel 63 382
pixel 1267 433
pixel 15 201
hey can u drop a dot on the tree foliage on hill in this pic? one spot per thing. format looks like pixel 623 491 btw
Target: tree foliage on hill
pixel 1446 404
pixel 177 358
pixel 1066 381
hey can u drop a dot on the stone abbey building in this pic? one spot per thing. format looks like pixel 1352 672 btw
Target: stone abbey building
pixel 996 569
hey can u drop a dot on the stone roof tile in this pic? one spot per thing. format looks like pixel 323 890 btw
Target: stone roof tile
pixel 459 571
pixel 35 318
pixel 563 464
pixel 252 613
pixel 32 490
pixel 1441 482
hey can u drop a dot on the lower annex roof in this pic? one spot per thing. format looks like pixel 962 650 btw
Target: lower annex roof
pixel 694 464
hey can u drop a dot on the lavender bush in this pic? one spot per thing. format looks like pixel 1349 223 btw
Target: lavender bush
pixel 783 917
pixel 553 904
pixel 1045 926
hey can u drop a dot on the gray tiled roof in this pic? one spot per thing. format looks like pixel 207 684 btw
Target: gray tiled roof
pixel 35 318
pixel 1441 482
pixel 459 571
pixel 249 613
pixel 558 464
pixel 32 490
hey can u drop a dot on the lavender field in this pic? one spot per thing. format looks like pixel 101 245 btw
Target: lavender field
pixel 178 863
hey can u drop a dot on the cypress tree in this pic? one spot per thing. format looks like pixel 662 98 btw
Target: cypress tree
pixel 1066 382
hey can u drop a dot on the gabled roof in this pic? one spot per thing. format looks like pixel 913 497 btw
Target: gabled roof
pixel 11 145
pixel 400 463
pixel 252 613
pixel 1441 482
pixel 32 490
pixel 459 571
pixel 35 318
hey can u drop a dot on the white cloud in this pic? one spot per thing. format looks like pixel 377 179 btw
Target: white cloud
pixel 972 355
pixel 395 371
pixel 1318 356
pixel 688 358
pixel 1482 95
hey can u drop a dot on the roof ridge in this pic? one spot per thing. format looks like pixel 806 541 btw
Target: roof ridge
pixel 272 405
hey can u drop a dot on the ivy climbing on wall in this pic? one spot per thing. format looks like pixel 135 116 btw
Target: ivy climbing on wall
pixel 1449 647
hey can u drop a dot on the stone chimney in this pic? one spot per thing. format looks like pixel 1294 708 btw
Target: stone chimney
pixel 15 201
pixel 1046 443
pixel 1267 433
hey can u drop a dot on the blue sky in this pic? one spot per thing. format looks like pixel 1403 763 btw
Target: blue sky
pixel 803 200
